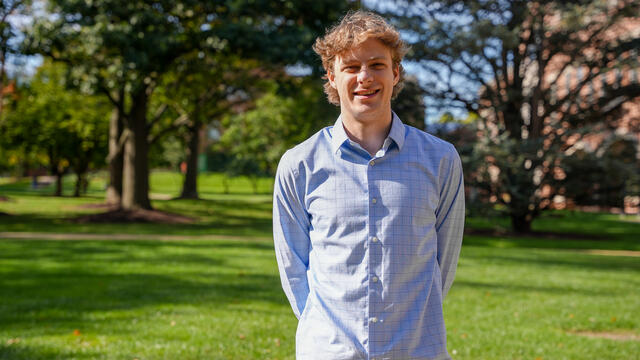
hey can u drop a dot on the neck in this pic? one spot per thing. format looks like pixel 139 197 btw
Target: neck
pixel 369 133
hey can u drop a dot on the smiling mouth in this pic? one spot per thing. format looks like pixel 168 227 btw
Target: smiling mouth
pixel 366 93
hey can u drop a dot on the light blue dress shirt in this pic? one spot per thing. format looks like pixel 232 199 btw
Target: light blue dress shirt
pixel 367 247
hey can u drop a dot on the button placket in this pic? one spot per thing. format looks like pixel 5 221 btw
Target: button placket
pixel 375 308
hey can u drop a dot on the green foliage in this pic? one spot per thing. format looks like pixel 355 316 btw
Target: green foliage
pixel 115 43
pixel 124 49
pixel 409 105
pixel 601 177
pixel 256 139
pixel 56 125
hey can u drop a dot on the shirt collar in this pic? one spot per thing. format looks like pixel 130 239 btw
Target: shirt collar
pixel 339 135
pixel 397 131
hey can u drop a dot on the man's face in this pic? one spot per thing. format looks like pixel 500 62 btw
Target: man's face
pixel 364 78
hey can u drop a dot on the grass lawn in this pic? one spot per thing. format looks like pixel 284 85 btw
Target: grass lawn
pixel 513 298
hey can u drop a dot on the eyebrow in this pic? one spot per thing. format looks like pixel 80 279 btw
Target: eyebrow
pixel 351 60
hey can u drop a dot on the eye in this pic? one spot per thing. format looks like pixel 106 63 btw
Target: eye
pixel 351 68
pixel 378 65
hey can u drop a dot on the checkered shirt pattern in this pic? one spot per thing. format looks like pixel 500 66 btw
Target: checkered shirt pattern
pixel 367 246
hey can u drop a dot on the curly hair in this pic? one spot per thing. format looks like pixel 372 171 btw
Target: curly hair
pixel 354 29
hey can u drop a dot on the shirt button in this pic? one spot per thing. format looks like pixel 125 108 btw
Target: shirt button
pixel 374 319
pixel 374 200
pixel 374 239
pixel 372 162
pixel 374 279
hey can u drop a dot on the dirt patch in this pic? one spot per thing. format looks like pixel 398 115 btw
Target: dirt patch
pixel 620 336
pixel 133 216
pixel 537 234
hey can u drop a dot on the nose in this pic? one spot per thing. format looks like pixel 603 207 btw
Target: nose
pixel 364 76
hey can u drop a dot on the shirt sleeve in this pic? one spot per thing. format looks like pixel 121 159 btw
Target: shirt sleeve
pixel 291 233
pixel 450 219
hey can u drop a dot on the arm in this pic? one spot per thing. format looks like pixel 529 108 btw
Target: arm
pixel 291 234
pixel 450 219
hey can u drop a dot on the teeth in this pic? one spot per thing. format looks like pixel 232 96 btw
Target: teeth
pixel 366 92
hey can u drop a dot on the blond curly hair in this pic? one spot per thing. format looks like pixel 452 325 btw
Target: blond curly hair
pixel 354 29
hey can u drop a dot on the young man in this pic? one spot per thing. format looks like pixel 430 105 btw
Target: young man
pixel 368 214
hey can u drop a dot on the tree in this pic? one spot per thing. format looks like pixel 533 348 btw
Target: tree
pixel 409 105
pixel 507 61
pixel 287 114
pixel 60 125
pixel 216 85
pixel 123 49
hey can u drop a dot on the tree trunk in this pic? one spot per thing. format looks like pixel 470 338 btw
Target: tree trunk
pixel 55 170
pixel 80 186
pixel 58 184
pixel 115 158
pixel 77 188
pixel 84 186
pixel 190 185
pixel 135 185
pixel 521 223
pixel 81 167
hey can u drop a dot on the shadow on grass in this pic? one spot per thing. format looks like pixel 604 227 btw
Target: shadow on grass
pixel 219 217
pixel 49 282
pixel 623 243
pixel 518 288
pixel 21 351
pixel 565 225
pixel 600 263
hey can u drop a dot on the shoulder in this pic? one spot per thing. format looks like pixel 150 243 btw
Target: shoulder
pixel 296 159
pixel 427 144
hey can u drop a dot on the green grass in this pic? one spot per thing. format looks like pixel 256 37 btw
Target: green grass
pixel 513 298
pixel 146 300
pixel 216 213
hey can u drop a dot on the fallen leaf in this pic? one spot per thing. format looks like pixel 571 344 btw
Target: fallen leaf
pixel 539 358
pixel 173 323
pixel 613 319
pixel 464 336
pixel 277 342
pixel 13 341
pixel 241 336
pixel 570 316
pixel 76 332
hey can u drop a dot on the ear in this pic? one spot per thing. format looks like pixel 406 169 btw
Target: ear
pixel 331 77
pixel 396 74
